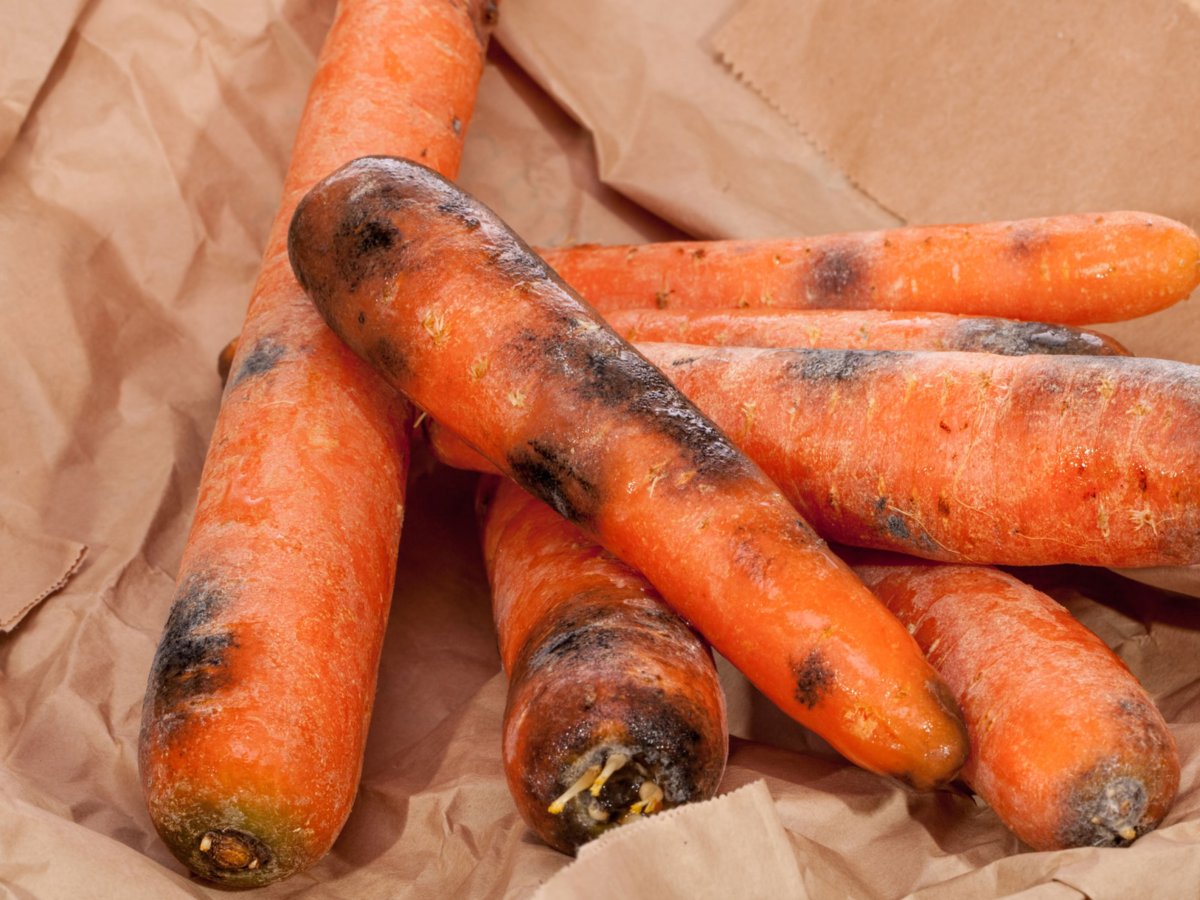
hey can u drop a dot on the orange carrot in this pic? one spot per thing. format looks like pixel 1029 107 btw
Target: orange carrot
pixel 614 707
pixel 967 457
pixel 260 693
pixel 1066 745
pixel 1075 269
pixel 435 291
pixel 867 329
pixel 962 457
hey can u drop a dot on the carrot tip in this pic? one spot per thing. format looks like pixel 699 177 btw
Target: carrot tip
pixel 230 851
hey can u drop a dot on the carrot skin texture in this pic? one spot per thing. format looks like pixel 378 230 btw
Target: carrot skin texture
pixel 1075 269
pixel 261 689
pixel 599 667
pixel 433 289
pixel 868 329
pixel 1066 745
pixel 1115 486
pixel 967 457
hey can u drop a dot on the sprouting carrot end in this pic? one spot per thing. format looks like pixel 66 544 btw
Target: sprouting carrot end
pixel 236 848
pixel 618 785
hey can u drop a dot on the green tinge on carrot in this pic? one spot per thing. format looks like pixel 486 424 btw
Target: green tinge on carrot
pixel 1066 746
pixel 261 689
pixel 454 310
pixel 1074 269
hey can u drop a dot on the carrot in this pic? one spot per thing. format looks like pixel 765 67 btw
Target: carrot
pixel 1066 746
pixel 434 290
pixel 1075 269
pixel 961 457
pixel 261 689
pixel 868 329
pixel 967 457
pixel 614 707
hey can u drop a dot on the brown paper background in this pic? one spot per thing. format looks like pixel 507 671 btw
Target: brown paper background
pixel 134 202
pixel 1002 110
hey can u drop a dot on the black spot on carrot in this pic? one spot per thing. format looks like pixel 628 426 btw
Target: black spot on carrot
pixel 606 370
pixel 463 208
pixel 578 640
pixel 1024 242
pixel 518 263
pixel 362 317
pixel 839 365
pixel 943 506
pixel 1143 480
pixel 374 235
pixel 548 474
pixel 898 528
pixel 190 661
pixel 813 678
pixel 1010 338
pixel 262 359
pixel 942 425
pixel 387 358
pixel 837 277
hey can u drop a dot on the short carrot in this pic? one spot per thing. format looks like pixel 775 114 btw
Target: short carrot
pixel 261 689
pixel 961 457
pixel 434 290
pixel 867 329
pixel 1066 746
pixel 614 707
pixel 1075 269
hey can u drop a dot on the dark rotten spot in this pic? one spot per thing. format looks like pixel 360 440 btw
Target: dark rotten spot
pixel 387 358
pixel 898 528
pixel 837 276
pixel 1100 806
pixel 839 365
pixel 262 359
pixel 1009 338
pixel 190 660
pixel 547 474
pixel 813 679
pixel 606 370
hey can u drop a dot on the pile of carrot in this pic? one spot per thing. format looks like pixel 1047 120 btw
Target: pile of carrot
pixel 674 434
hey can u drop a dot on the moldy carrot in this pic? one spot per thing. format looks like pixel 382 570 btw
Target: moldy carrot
pixel 1075 269
pixel 455 311
pixel 614 707
pixel 260 692
pixel 967 457
pixel 961 457
pixel 1066 746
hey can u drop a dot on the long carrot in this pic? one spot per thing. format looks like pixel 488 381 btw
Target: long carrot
pixel 961 457
pixel 435 291
pixel 614 707
pixel 1075 269
pixel 968 457
pixel 261 689
pixel 1066 745
pixel 867 329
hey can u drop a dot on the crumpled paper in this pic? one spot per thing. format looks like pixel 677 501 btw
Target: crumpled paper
pixel 134 201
